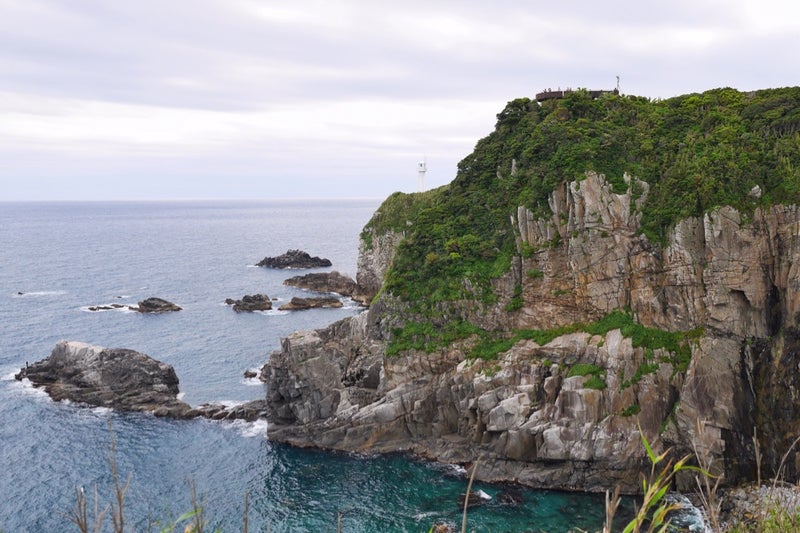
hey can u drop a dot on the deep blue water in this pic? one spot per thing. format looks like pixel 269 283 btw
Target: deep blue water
pixel 64 257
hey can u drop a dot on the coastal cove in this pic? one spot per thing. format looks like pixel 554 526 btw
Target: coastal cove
pixel 59 259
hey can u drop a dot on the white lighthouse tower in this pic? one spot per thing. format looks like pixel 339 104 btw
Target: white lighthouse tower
pixel 421 169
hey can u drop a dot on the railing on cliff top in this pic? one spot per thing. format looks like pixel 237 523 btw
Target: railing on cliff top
pixel 554 95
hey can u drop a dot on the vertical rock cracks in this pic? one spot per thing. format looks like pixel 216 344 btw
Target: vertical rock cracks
pixel 566 414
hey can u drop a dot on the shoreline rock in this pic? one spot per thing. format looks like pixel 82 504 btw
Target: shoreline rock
pixel 294 259
pixel 301 304
pixel 118 378
pixel 324 282
pixel 155 305
pixel 123 380
pixel 250 303
pixel 727 281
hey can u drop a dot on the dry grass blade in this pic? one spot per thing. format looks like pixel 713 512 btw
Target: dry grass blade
pixel 466 496
pixel 118 507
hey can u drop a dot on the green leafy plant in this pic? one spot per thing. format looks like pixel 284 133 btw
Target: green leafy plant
pixel 651 514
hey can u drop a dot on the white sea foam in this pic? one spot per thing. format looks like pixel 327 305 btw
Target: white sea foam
pixel 250 429
pixel 426 515
pixel 180 395
pixel 102 308
pixel 687 515
pixel 102 410
pixel 31 294
pixel 482 495
pixel 254 381
pixel 273 312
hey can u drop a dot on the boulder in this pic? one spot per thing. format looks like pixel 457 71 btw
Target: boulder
pixel 294 259
pixel 249 411
pixel 324 282
pixel 250 303
pixel 299 304
pixel 108 377
pixel 155 305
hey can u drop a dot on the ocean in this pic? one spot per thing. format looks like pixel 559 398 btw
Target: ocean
pixel 59 259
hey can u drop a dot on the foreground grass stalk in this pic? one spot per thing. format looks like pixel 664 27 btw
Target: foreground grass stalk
pixel 705 490
pixel 118 507
pixel 612 503
pixel 466 496
pixel 654 509
pixel 246 510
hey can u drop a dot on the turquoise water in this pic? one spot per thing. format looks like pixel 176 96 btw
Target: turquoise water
pixel 65 257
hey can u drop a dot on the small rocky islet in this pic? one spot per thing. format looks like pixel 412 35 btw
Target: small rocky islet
pixel 294 259
pixel 124 380
pixel 149 305
pixel 250 303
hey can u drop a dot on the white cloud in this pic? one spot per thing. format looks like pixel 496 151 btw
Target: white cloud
pixel 313 88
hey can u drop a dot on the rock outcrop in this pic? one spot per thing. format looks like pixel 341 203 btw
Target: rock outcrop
pixel 732 280
pixel 300 304
pixel 294 259
pixel 155 305
pixel 108 377
pixel 124 380
pixel 374 260
pixel 324 282
pixel 250 303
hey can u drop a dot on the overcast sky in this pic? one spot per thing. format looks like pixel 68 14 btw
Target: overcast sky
pixel 123 99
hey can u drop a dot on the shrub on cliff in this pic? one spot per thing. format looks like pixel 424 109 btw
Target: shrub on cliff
pixel 697 151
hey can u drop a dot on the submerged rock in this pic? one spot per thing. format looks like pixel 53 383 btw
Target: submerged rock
pixel 300 304
pixel 108 377
pixel 110 307
pixel 250 303
pixel 294 259
pixel 324 282
pixel 155 305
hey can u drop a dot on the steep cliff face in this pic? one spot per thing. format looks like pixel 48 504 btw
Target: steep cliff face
pixel 567 413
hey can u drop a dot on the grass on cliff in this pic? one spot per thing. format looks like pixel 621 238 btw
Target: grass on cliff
pixel 696 151
pixel 678 344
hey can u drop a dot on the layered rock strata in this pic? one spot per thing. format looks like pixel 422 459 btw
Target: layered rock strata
pixel 324 282
pixel 730 278
pixel 300 304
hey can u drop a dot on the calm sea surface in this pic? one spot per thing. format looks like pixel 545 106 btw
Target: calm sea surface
pixel 57 259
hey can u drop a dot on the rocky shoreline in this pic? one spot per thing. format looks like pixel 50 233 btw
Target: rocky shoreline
pixel 124 380
pixel 567 413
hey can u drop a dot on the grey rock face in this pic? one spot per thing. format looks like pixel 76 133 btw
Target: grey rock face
pixel 108 377
pixel 250 303
pixel 156 305
pixel 324 282
pixel 733 279
pixel 300 304
pixel 124 380
pixel 294 259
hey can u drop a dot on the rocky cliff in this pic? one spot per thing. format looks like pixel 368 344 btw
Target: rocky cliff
pixel 567 413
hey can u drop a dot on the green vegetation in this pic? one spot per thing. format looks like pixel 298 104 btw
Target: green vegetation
pixel 516 300
pixel 696 152
pixel 535 273
pixel 632 410
pixel 491 344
